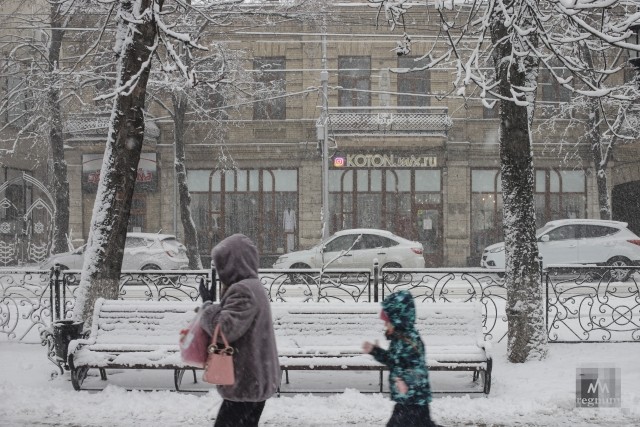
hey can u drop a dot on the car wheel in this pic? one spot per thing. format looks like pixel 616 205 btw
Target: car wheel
pixel 300 265
pixel 296 278
pixel 619 275
pixel 391 277
pixel 151 267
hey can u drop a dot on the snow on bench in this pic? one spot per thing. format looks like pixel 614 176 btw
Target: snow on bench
pixel 132 335
pixel 322 336
pixel 310 336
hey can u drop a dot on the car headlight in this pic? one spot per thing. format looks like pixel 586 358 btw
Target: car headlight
pixel 496 250
pixel 279 261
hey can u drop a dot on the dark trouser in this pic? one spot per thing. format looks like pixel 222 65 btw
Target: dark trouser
pixel 239 414
pixel 410 416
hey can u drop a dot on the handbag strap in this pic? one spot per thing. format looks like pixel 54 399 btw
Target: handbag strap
pixel 217 331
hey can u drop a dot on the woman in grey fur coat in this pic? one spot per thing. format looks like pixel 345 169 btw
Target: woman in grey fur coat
pixel 244 315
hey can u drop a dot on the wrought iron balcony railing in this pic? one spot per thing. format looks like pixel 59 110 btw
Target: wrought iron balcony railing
pixel 83 124
pixel 380 121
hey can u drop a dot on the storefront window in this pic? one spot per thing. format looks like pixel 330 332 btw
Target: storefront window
pixel 486 211
pixel 428 180
pixel 558 195
pixel 406 202
pixel 260 203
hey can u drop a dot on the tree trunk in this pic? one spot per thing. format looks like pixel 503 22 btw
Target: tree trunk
pixel 593 131
pixel 593 124
pixel 527 338
pixel 103 257
pixel 190 232
pixel 60 183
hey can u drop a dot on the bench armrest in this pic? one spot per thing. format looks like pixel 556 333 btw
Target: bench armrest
pixel 75 345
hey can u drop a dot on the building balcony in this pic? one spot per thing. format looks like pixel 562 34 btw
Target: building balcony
pixel 384 121
pixel 85 126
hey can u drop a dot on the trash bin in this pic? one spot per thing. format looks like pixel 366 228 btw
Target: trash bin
pixel 64 331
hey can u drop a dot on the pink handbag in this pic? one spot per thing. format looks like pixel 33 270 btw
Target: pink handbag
pixel 218 368
pixel 193 343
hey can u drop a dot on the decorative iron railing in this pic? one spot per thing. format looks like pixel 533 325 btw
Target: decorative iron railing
pixel 301 285
pixel 589 304
pixel 155 285
pixel 27 302
pixel 83 124
pixel 586 304
pixel 454 285
pixel 24 301
pixel 389 120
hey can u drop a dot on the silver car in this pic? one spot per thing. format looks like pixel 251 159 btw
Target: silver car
pixel 357 248
pixel 142 251
pixel 579 241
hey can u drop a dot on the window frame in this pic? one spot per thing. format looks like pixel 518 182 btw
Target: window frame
pixel 413 82
pixel 350 78
pixel 274 108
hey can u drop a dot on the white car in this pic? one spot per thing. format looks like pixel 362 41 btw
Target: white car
pixel 343 251
pixel 579 241
pixel 142 251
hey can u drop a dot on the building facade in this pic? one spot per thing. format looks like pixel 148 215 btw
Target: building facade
pixel 404 153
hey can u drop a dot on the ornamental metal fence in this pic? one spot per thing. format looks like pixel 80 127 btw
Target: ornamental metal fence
pixel 583 304
pixel 30 300
pixel 592 304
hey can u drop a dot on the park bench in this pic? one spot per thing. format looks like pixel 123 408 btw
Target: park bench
pixel 322 336
pixel 310 336
pixel 132 335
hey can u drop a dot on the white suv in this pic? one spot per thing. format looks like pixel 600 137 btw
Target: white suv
pixel 142 251
pixel 579 241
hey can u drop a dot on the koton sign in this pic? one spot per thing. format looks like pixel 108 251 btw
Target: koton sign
pixel 384 161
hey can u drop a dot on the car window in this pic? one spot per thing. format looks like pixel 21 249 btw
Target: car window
pixel 389 242
pixel 593 231
pixel 170 241
pixel 341 243
pixel 566 232
pixel 373 241
pixel 135 242
pixel 541 231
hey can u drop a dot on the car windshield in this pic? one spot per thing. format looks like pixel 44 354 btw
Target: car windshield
pixel 541 231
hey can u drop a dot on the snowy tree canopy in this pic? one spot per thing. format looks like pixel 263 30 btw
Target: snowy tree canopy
pixel 554 35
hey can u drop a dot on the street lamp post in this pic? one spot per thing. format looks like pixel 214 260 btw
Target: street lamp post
pixel 323 138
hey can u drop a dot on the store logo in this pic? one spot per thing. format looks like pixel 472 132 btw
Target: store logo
pixel 384 161
pixel 598 387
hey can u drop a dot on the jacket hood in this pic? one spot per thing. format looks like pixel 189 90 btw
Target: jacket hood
pixel 401 309
pixel 235 259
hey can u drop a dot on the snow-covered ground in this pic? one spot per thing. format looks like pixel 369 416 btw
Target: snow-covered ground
pixel 531 394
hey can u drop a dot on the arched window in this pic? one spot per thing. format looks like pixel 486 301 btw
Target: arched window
pixel 248 201
pixel 559 194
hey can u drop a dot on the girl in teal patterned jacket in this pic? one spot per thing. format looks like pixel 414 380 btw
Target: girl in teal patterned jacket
pixel 406 359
